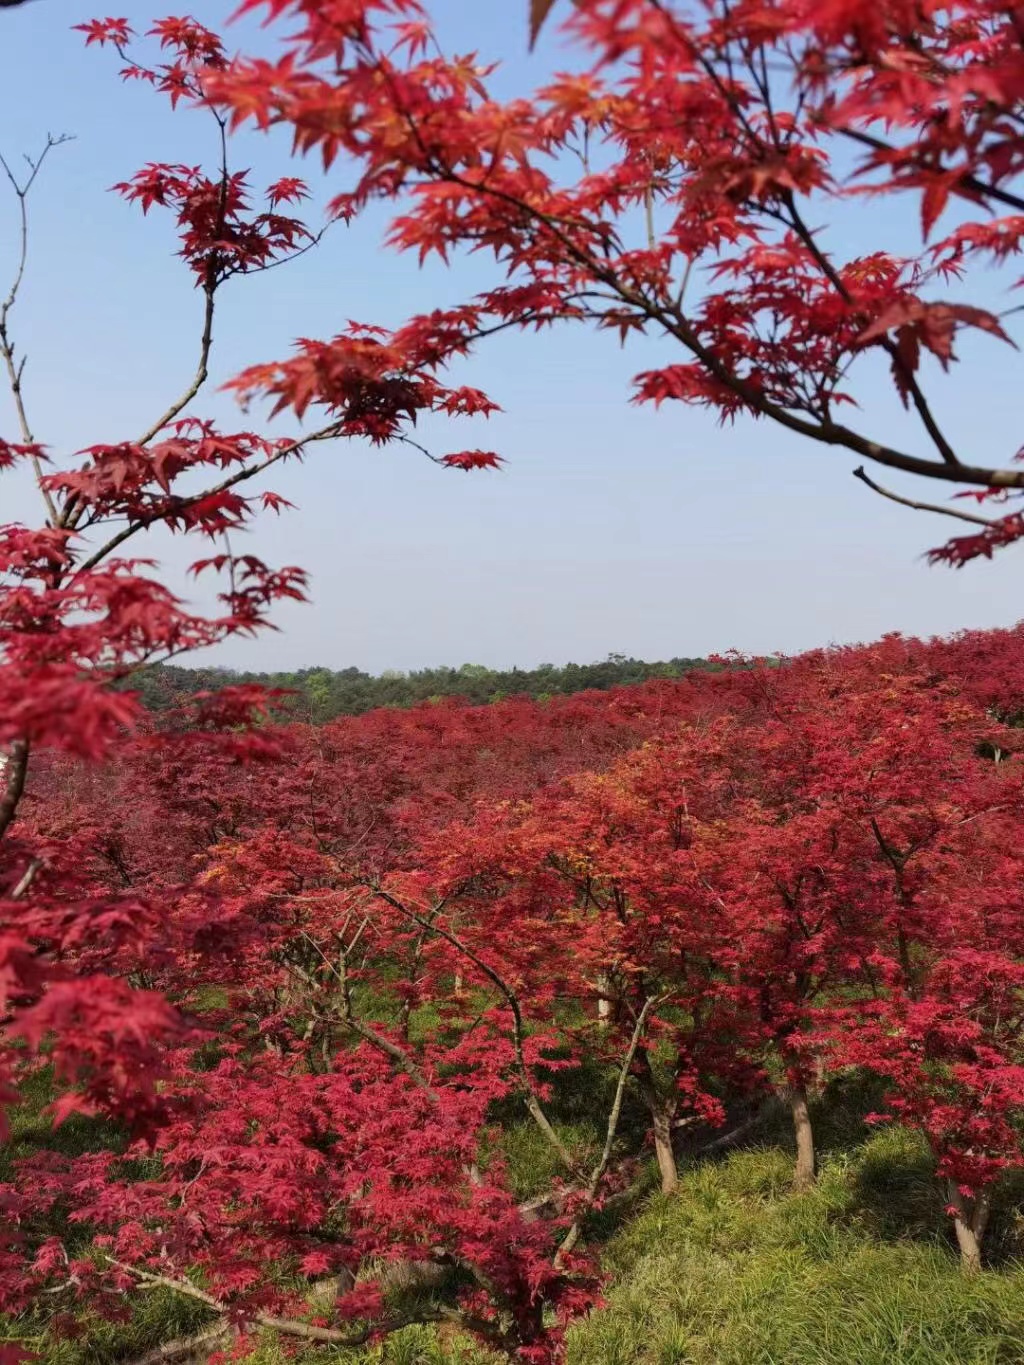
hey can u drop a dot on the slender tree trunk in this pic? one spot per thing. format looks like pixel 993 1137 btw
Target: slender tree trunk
pixel 604 1004
pixel 970 1247
pixel 662 1110
pixel 970 1219
pixel 12 776
pixel 803 1172
pixel 661 1123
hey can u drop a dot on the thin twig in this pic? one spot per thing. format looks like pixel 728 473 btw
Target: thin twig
pixel 324 434
pixel 210 286
pixel 289 1326
pixel 15 371
pixel 972 517
pixel 597 1175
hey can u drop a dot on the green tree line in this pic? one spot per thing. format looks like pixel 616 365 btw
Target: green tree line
pixel 321 694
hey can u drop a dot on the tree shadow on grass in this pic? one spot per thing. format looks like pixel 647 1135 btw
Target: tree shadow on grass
pixel 897 1198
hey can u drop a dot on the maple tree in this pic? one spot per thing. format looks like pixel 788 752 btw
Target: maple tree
pixel 86 991
pixel 673 181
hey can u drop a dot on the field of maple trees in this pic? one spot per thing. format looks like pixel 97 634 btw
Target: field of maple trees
pixel 285 1005
pixel 320 974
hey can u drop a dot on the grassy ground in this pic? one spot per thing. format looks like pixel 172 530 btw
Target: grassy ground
pixel 735 1269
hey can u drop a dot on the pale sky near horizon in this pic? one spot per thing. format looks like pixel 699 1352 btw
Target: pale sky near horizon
pixel 610 528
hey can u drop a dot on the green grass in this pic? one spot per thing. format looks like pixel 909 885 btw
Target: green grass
pixel 737 1270
pixel 411 1346
pixel 155 1317
pixel 733 1270
pixel 32 1127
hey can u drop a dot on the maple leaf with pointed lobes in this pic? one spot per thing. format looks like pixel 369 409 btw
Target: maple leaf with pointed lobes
pixel 472 459
pixel 102 31
pixel 933 324
pixel 289 189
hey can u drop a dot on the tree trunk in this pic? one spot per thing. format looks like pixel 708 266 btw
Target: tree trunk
pixel 661 1122
pixel 662 1110
pixel 604 1004
pixel 970 1247
pixel 803 1172
pixel 970 1219
pixel 15 766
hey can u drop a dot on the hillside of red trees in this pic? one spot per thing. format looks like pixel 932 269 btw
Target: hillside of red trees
pixel 354 951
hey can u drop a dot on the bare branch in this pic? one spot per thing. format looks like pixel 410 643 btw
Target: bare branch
pixel 16 369
pixel 314 241
pixel 530 1096
pixel 922 506
pixel 289 1326
pixel 597 1174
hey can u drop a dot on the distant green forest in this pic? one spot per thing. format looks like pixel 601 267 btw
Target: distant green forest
pixel 323 693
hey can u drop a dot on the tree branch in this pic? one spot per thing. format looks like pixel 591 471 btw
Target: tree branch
pixel 26 879
pixel 16 370
pixel 670 316
pixel 597 1174
pixel 210 286
pixel 906 374
pixel 185 1348
pixel 969 182
pixel 530 1097
pixel 250 472
pixel 289 1326
pixel 922 506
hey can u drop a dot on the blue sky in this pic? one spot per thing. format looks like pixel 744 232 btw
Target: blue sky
pixel 609 529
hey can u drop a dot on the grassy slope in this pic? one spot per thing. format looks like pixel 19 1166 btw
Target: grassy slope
pixel 738 1271
pixel 734 1270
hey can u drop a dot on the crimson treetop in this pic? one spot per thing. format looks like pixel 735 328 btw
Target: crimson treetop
pixel 675 183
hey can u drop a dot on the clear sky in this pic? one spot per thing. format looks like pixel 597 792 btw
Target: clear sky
pixel 610 528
